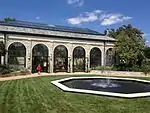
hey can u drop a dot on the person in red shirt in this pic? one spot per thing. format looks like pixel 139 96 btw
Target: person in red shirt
pixel 38 69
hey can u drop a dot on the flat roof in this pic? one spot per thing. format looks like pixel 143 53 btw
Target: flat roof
pixel 55 30
pixel 43 26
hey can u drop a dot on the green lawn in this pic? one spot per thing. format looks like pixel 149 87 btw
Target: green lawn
pixel 38 95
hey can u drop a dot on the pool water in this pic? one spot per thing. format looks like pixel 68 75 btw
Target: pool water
pixel 108 85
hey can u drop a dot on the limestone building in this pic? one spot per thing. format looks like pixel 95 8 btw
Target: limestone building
pixel 56 48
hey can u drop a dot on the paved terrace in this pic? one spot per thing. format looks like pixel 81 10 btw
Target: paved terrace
pixel 105 73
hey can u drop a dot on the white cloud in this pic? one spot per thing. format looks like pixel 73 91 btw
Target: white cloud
pixel 98 11
pixel 146 34
pixel 37 18
pixel 85 17
pixel 98 15
pixel 78 3
pixel 110 19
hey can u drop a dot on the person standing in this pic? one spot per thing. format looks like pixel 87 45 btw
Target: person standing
pixel 38 69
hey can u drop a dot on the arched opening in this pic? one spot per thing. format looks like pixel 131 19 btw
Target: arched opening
pixel 60 59
pixel 17 55
pixel 79 59
pixel 109 57
pixel 95 57
pixel 40 56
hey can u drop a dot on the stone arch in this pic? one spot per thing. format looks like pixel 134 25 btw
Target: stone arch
pixel 40 56
pixel 78 59
pixel 60 58
pixel 95 57
pixel 82 46
pixel 16 41
pixel 17 55
pixel 62 44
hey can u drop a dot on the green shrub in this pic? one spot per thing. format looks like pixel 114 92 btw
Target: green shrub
pixel 145 68
pixel 25 72
pixel 9 71
pixel 4 70
pixel 124 67
pixel 102 68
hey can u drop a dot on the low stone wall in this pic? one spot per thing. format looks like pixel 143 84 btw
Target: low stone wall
pixel 118 73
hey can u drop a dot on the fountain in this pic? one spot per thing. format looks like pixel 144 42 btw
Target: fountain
pixel 105 84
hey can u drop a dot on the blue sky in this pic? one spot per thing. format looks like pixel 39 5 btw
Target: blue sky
pixel 94 14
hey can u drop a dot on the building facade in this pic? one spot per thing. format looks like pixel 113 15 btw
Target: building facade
pixel 56 48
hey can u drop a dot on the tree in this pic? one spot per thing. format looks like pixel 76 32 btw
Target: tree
pixel 8 19
pixel 145 66
pixel 129 47
pixel 147 52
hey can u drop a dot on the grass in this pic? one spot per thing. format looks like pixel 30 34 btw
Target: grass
pixel 38 95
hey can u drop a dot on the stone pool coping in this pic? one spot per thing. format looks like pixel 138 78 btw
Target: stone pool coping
pixel 133 95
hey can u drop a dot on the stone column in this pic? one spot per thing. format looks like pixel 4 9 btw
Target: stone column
pixel 87 58
pixel 51 62
pixel 70 58
pixel 49 45
pixel 2 57
pixel 89 63
pixel 29 55
pixel 103 59
pixel 2 60
pixel 51 58
pixel 71 62
pixel 69 66
pixel 6 47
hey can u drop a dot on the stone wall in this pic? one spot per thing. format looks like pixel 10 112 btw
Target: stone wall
pixel 51 42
